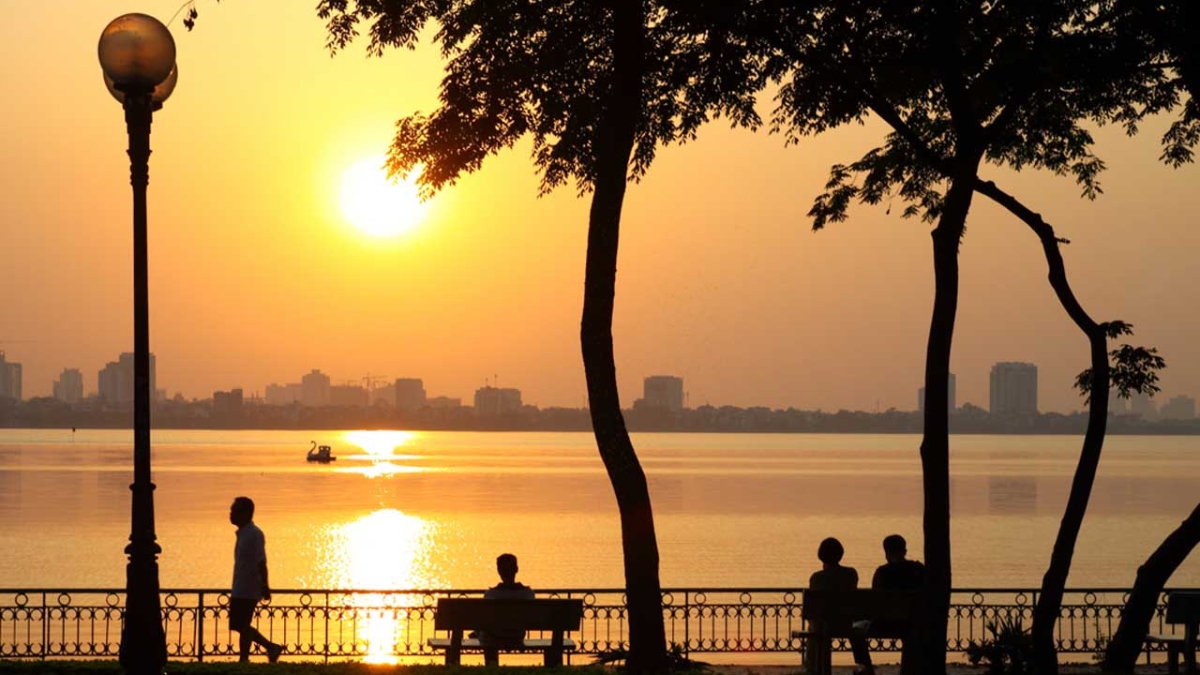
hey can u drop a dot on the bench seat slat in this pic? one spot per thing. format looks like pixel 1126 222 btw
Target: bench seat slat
pixel 530 645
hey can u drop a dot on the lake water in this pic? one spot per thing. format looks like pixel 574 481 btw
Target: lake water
pixel 433 509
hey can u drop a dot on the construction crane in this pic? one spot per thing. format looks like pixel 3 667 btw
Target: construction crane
pixel 370 381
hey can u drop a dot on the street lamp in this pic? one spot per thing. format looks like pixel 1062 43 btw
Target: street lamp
pixel 137 55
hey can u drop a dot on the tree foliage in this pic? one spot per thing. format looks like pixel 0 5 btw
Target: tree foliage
pixel 542 69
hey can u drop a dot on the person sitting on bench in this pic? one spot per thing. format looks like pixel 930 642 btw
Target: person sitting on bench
pixel 508 589
pixel 898 573
pixel 834 577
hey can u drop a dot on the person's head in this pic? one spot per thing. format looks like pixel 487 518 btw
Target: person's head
pixel 830 551
pixel 894 548
pixel 241 511
pixel 506 566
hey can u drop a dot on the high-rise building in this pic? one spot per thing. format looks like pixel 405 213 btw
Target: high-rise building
pixel 314 389
pixel 410 394
pixel 1179 408
pixel 663 391
pixel 116 380
pixel 69 386
pixel 951 400
pixel 1014 389
pixel 10 378
pixel 494 401
pixel 348 396
pixel 1143 406
pixel 283 394
pixel 227 404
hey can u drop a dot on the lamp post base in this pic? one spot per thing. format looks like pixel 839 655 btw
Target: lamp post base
pixel 143 641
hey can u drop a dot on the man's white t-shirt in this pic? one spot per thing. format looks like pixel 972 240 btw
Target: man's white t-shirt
pixel 249 555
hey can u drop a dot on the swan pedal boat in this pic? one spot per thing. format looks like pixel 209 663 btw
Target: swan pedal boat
pixel 322 454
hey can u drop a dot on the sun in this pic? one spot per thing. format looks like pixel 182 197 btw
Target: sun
pixel 377 205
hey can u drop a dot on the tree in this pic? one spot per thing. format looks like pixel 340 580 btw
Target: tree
pixel 598 85
pixel 961 83
pixel 1152 576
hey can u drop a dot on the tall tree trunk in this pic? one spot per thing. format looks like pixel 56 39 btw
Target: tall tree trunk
pixel 1152 576
pixel 616 133
pixel 935 444
pixel 1049 604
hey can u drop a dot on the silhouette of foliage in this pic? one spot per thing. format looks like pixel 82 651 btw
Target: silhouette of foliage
pixel 1134 371
pixel 541 69
pixel 1008 651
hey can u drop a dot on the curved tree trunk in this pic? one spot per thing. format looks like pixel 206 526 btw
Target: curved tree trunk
pixel 1049 603
pixel 1152 576
pixel 617 129
pixel 935 444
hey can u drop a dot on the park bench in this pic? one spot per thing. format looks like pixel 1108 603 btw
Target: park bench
pixel 830 614
pixel 457 615
pixel 1182 609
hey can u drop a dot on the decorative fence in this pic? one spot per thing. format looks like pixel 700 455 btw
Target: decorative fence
pixel 385 625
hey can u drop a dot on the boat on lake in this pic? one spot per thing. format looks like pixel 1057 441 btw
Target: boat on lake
pixel 322 454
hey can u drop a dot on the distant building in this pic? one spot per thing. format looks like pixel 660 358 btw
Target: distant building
pixel 1014 389
pixel 410 394
pixel 663 391
pixel 283 394
pixel 10 378
pixel 1179 408
pixel 348 396
pixel 951 400
pixel 1116 404
pixel 69 386
pixel 314 389
pixel 1143 406
pixel 494 401
pixel 227 404
pixel 444 402
pixel 116 380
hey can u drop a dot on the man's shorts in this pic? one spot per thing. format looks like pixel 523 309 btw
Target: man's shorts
pixel 241 611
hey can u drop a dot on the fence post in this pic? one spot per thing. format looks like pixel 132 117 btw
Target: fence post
pixel 326 648
pixel 45 627
pixel 687 624
pixel 200 628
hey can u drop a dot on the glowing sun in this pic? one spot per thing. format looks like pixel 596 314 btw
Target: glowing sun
pixel 377 205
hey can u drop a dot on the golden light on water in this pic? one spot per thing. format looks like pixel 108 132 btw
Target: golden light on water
pixel 386 549
pixel 380 447
pixel 379 443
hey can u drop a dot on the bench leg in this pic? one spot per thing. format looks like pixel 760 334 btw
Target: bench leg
pixel 1172 658
pixel 491 656
pixel 818 655
pixel 552 658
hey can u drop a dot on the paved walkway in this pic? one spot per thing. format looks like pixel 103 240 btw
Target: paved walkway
pixel 892 669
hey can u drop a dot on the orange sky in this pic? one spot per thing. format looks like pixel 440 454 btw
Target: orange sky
pixel 255 277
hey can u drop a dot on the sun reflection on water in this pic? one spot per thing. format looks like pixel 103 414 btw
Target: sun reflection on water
pixel 380 447
pixel 386 549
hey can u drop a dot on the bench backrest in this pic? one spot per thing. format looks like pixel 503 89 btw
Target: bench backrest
pixel 1183 607
pixel 498 615
pixel 836 607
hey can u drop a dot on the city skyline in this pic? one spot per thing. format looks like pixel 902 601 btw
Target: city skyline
pixel 750 306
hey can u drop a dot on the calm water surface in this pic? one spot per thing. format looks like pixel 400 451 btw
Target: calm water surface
pixel 433 509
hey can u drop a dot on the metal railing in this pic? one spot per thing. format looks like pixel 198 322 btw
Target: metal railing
pixel 386 624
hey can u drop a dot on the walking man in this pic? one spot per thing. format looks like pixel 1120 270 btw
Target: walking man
pixel 249 580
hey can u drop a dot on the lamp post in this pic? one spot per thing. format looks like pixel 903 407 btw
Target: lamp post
pixel 137 55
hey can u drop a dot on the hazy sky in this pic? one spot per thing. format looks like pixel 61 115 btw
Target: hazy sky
pixel 256 277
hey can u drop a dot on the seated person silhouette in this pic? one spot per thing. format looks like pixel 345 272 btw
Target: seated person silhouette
pixel 508 589
pixel 834 577
pixel 897 574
